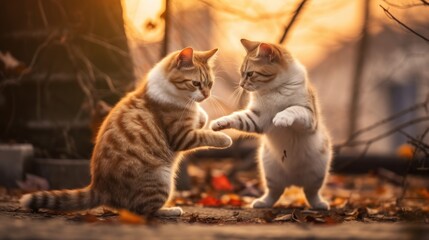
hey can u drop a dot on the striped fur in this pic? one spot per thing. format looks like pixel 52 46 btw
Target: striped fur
pixel 296 148
pixel 134 158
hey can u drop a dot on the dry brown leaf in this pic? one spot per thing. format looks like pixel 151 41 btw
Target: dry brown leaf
pixel 283 218
pixel 423 192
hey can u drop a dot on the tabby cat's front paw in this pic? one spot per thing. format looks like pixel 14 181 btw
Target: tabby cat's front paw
pixel 224 140
pixel 283 120
pixel 221 123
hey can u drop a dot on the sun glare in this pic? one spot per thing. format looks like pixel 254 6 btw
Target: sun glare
pixel 143 18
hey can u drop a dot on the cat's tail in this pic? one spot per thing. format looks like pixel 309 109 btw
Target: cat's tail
pixel 62 200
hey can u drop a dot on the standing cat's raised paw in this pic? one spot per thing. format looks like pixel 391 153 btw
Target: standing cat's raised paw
pixel 220 124
pixel 283 120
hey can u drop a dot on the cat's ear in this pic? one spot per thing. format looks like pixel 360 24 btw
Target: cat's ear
pixel 207 55
pixel 266 51
pixel 185 58
pixel 249 45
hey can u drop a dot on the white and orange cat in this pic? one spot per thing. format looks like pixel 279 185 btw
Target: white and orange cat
pixel 136 152
pixel 296 148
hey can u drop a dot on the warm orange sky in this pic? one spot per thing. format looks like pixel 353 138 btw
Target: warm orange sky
pixel 322 25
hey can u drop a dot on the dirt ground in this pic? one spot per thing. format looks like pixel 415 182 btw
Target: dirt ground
pixel 198 223
pixel 379 205
pixel 219 224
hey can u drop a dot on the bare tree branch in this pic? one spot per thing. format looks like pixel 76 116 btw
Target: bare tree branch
pixel 292 20
pixel 390 15
pixel 387 133
pixel 358 70
pixel 413 108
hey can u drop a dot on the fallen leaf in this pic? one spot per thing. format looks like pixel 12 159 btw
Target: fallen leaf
pixel 126 216
pixel 297 216
pixel 90 218
pixel 372 211
pixel 232 200
pixel 339 202
pixel 314 219
pixel 423 192
pixel 210 201
pixel 405 151
pixel 332 220
pixel 221 183
pixel 283 218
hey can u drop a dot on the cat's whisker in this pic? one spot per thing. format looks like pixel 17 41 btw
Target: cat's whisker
pixel 240 96
pixel 234 94
pixel 237 96
pixel 213 106
pixel 216 100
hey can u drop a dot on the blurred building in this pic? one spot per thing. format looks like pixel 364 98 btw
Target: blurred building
pixel 395 77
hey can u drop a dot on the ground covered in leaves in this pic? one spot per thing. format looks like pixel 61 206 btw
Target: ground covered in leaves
pixel 217 198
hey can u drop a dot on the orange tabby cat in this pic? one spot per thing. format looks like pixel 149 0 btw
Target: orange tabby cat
pixel 135 155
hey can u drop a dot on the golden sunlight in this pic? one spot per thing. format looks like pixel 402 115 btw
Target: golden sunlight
pixel 143 19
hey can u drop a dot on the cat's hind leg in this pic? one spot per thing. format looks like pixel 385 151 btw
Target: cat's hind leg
pixel 315 180
pixel 315 199
pixel 152 193
pixel 272 173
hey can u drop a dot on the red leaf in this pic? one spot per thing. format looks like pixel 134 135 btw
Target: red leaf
pixel 221 183
pixel 210 201
pixel 232 200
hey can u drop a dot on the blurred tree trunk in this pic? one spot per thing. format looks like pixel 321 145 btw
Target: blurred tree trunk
pixel 165 41
pixel 354 110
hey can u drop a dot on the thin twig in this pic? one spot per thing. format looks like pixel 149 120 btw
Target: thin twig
pixel 386 120
pixel 292 20
pixel 42 13
pixel 385 134
pixel 90 66
pixel 105 44
pixel 422 3
pixel 390 15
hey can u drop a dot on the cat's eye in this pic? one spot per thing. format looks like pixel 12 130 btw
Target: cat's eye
pixel 249 74
pixel 196 83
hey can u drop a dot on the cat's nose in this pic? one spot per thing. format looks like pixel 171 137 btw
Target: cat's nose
pixel 242 84
pixel 205 94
